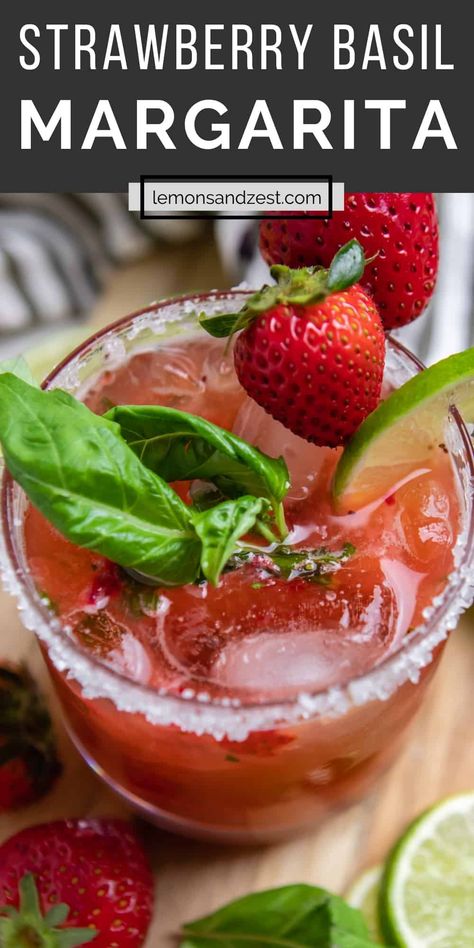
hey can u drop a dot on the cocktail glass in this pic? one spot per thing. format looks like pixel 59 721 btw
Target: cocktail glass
pixel 233 770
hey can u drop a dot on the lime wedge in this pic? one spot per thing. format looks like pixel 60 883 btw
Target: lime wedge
pixel 364 895
pixel 402 432
pixel 427 891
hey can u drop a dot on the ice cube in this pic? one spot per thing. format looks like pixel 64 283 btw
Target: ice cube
pixel 426 522
pixel 218 368
pixel 286 662
pixel 280 638
pixel 173 372
pixel 131 659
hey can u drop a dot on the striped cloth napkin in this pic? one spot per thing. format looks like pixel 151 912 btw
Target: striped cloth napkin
pixel 57 249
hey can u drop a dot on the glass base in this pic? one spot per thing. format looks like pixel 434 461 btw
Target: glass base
pixel 192 830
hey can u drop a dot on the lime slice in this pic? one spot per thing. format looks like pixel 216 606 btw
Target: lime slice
pixel 427 893
pixel 402 432
pixel 364 895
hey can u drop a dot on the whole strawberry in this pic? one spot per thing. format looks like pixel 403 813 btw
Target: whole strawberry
pixel 399 229
pixel 74 881
pixel 311 349
pixel 29 764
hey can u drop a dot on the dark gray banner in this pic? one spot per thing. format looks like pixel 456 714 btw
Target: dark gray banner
pixel 379 100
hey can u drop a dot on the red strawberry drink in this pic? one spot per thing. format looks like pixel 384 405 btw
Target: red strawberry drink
pixel 244 710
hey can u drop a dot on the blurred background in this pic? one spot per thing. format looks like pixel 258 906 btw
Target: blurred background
pixel 70 263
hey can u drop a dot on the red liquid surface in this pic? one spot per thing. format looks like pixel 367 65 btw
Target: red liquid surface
pixel 256 637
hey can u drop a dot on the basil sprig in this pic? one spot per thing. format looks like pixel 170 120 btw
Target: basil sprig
pixel 79 471
pixel 180 446
pixel 294 916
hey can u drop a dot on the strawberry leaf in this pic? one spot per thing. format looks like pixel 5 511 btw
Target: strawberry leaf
pixel 26 926
pixel 29 899
pixel 299 287
pixel 57 914
pixel 302 287
pixel 71 937
pixel 220 326
pixel 347 267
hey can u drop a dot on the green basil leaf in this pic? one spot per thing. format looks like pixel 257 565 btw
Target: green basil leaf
pixel 179 446
pixel 294 916
pixel 349 925
pixel 18 366
pixel 347 267
pixel 220 527
pixel 77 470
pixel 347 940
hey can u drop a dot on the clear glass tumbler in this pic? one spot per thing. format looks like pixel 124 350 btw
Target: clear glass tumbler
pixel 174 759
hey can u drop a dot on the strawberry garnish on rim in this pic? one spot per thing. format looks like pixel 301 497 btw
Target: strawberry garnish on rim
pixel 311 348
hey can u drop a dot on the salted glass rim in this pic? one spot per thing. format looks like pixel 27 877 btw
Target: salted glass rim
pixel 405 664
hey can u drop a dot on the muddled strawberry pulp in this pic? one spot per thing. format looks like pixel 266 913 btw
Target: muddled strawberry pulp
pixel 263 633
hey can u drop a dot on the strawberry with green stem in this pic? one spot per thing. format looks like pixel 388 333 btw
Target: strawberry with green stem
pixel 26 927
pixel 311 349
pixel 71 882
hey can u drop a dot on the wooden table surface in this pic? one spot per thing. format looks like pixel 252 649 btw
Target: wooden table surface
pixel 195 878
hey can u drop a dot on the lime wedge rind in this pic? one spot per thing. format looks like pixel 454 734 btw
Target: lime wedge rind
pixel 427 889
pixel 403 430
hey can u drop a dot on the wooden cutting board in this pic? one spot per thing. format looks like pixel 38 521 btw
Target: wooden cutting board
pixel 195 878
